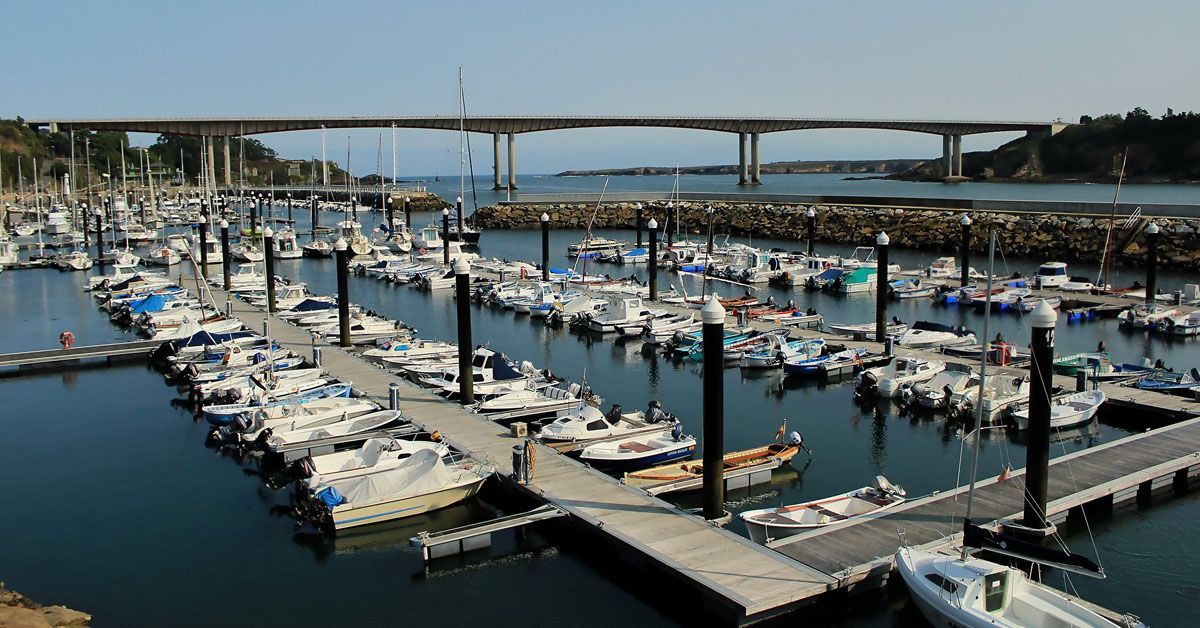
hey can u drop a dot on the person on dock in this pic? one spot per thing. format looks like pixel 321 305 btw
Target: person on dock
pixel 1101 347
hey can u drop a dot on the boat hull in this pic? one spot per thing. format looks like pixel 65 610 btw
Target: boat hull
pixel 390 510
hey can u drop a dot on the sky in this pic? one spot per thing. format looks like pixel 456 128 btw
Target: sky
pixel 1012 60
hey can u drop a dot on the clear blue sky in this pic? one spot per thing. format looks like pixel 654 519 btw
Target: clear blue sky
pixel 1013 60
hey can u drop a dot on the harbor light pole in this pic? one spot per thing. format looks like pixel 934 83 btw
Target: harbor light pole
pixel 881 286
pixel 343 297
pixel 812 228
pixel 446 236
pixel 964 253
pixel 711 212
pixel 638 224
pixel 225 254
pixel 652 266
pixel 1151 263
pixel 268 255
pixel 545 246
pixel 713 335
pixel 408 213
pixel 204 239
pixel 462 295
pixel 458 208
pixel 1037 452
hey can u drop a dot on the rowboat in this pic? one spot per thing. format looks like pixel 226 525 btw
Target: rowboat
pixel 769 524
pixel 1066 412
pixel 768 455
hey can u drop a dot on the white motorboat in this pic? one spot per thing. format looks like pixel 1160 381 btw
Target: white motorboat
pixel 641 451
pixel 888 380
pixel 373 456
pixel 659 330
pixel 937 392
pixel 317 249
pixel 136 233
pixel 594 247
pixel 77 260
pixel 262 421
pixel 588 423
pixel 952 591
pixel 894 328
pixel 285 246
pixel 1066 412
pixel 1051 275
pixel 163 256
pixel 621 312
pixel 769 524
pixel 999 393
pixel 926 335
pixel 1183 325
pixel 534 397
pixel 943 268
pixel 1147 316
pixel 359 425
pixel 246 252
pixel 421 483
pixel 402 348
pixel 914 288
pixel 427 239
pixel 435 256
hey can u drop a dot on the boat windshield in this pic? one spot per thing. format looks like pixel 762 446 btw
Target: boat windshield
pixel 1052 271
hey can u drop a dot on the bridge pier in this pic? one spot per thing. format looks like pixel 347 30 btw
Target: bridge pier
pixel 958 169
pixel 228 168
pixel 742 159
pixel 947 164
pixel 755 174
pixel 496 183
pixel 512 161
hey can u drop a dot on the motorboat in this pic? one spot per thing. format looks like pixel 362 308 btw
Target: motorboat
pixel 855 281
pixel 769 456
pixel 770 524
pixel 427 239
pixel 621 312
pixel 894 328
pixel 1182 325
pixel 317 249
pixel 589 423
pixel 223 414
pixel 1051 275
pixel 937 392
pixel 1000 392
pixel 1026 304
pixel 163 256
pixel 658 330
pixel 76 260
pixel 887 381
pixel 808 366
pixel 435 256
pixel 529 400
pixel 914 288
pixel 403 348
pixel 285 246
pixel 593 246
pixel 421 483
pixel 779 349
pixel 1149 317
pixel 359 425
pixel 641 450
pixel 943 268
pixel 375 455
pixel 1067 411
pixel 1097 365
pixel 950 590
pixel 927 335
pixel 246 251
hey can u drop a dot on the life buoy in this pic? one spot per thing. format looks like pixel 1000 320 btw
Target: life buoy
pixel 66 339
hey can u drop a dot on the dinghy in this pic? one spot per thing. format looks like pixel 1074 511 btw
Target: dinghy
pixel 769 524
pixel 1066 412
pixel 769 456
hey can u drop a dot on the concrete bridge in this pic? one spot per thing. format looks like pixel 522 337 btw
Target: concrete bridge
pixel 748 130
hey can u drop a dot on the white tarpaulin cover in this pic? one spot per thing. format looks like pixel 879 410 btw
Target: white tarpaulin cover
pixel 423 472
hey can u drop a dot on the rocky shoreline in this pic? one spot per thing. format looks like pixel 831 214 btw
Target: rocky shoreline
pixel 18 610
pixel 1060 237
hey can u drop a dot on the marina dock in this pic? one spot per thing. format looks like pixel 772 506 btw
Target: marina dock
pixel 52 358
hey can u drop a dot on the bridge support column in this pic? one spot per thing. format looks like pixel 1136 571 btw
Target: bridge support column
pixel 496 183
pixel 742 159
pixel 755 175
pixel 512 161
pixel 228 166
pixel 958 169
pixel 212 165
pixel 947 164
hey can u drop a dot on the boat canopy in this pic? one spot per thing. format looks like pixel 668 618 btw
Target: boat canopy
pixel 152 303
pixel 313 305
pixel 421 473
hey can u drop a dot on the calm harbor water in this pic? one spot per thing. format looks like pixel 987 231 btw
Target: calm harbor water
pixel 116 508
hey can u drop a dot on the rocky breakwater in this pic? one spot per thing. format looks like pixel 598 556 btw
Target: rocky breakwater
pixel 1047 236
pixel 18 610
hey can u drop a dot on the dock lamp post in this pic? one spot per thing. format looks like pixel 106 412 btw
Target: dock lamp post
pixel 638 224
pixel 713 317
pixel 268 255
pixel 964 252
pixel 446 236
pixel 1151 263
pixel 881 286
pixel 100 239
pixel 545 246
pixel 652 266
pixel 387 205
pixel 812 228
pixel 459 211
pixel 711 212
pixel 408 213
pixel 462 295
pixel 343 296
pixel 289 202
pixel 83 212
pixel 1037 452
pixel 225 254
pixel 255 209
pixel 204 239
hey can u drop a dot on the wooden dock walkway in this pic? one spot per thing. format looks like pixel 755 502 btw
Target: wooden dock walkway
pixel 1121 470
pixel 50 358
pixel 739 580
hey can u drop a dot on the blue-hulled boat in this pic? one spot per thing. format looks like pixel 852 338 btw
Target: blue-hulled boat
pixel 806 366
pixel 1170 382
pixel 223 414
pixel 641 451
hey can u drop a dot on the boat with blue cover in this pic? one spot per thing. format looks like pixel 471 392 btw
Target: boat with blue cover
pixel 224 413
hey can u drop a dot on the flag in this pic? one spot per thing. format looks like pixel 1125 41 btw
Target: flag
pixel 781 432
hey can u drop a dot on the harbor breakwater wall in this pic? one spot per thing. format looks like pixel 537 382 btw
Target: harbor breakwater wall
pixel 1062 237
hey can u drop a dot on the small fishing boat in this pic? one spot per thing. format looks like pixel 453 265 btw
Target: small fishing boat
pixel 421 483
pixel 621 312
pixel 163 256
pixel 373 456
pixel 770 456
pixel 411 348
pixel 259 423
pixel 641 451
pixel 637 255
pixel 769 524
pixel 808 366
pixel 779 349
pixel 1067 411
pixel 1184 325
pixel 588 423
pixel 942 267
pixel 926 335
pixel 1027 304
pixel 77 260
pixel 937 392
pixel 317 249
pixel 913 288
pixel 246 251
pixel 1150 317
pixel 1097 365
pixel 660 330
pixel 894 328
pixel 285 246
pixel 887 381
pixel 365 423
pixel 594 246
pixel 224 413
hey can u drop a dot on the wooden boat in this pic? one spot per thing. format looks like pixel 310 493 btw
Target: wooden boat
pixel 768 524
pixel 775 453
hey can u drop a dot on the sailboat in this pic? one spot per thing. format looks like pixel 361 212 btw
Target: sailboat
pixel 459 231
pixel 962 590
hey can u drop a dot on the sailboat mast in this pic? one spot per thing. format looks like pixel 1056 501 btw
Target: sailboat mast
pixel 1105 256
pixel 987 315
